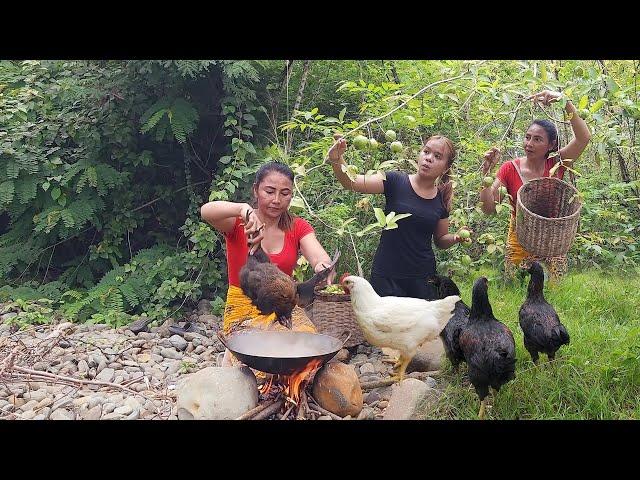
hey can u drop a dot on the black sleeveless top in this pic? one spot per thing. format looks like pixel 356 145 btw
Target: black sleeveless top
pixel 406 251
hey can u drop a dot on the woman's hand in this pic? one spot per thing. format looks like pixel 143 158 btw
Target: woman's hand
pixel 462 239
pixel 337 149
pixel 545 97
pixel 321 266
pixel 253 228
pixel 490 159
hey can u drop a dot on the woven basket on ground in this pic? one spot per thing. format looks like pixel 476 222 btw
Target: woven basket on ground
pixel 547 214
pixel 333 315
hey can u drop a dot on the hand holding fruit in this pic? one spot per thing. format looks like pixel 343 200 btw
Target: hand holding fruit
pixel 490 158
pixel 463 236
pixel 545 97
pixel 337 149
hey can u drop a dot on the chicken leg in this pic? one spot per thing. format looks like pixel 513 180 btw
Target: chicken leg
pixel 403 363
pixel 483 405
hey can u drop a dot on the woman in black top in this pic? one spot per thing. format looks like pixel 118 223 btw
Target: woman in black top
pixel 404 260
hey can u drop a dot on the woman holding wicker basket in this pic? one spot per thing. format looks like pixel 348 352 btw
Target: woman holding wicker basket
pixel 540 146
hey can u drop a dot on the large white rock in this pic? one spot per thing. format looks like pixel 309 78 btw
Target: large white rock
pixel 217 393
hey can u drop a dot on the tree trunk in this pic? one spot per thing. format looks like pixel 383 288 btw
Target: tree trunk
pixel 303 83
pixel 296 106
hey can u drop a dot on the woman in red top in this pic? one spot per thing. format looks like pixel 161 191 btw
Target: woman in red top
pixel 541 139
pixel 280 235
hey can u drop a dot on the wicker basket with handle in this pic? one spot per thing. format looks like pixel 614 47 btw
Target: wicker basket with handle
pixel 332 314
pixel 547 215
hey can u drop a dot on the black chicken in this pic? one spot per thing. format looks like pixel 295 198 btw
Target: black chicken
pixel 539 321
pixel 273 291
pixel 487 345
pixel 451 333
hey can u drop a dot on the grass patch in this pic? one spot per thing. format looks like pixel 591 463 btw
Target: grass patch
pixel 596 376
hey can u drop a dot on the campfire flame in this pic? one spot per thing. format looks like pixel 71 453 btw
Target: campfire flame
pixel 295 381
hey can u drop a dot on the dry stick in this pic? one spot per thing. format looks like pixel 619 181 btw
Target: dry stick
pixel 8 361
pixel 267 412
pixel 356 252
pixel 301 405
pixel 256 410
pixel 286 414
pixel 321 410
pixel 53 376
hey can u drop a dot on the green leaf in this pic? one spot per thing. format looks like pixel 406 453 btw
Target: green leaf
pixel 584 100
pixel 389 217
pixel 55 193
pixel 342 113
pixel 491 248
pixel 597 105
pixel 382 219
pixel 367 229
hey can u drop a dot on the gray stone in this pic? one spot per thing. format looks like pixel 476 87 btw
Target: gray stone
pixel 211 321
pixel 106 375
pixel 428 357
pixel 171 353
pixel 157 358
pixel 178 342
pixel 42 366
pixel 45 402
pixel 40 416
pixel 30 405
pixel 91 413
pixel 133 415
pixel 204 307
pixel 63 402
pixel 371 397
pixel 83 366
pixel 367 368
pixel 28 415
pixel 217 393
pixel 406 398
pixel 108 407
pixel 37 395
pixel 112 416
pixel 123 410
pixel 62 414
pixel 8 316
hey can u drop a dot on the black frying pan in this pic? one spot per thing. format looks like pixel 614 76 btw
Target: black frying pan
pixel 281 352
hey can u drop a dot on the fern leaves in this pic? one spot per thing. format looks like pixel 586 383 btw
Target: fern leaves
pixel 180 116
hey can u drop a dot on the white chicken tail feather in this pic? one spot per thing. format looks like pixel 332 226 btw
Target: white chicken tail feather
pixel 444 309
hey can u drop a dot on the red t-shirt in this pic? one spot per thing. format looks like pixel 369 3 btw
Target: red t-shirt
pixel 286 259
pixel 510 178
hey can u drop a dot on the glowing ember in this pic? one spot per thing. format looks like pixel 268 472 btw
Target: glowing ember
pixel 266 387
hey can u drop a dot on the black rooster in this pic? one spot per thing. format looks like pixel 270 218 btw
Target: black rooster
pixel 539 321
pixel 487 345
pixel 451 333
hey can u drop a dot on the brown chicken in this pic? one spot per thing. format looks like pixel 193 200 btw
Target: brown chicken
pixel 273 291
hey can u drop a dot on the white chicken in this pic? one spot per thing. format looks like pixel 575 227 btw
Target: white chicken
pixel 400 323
